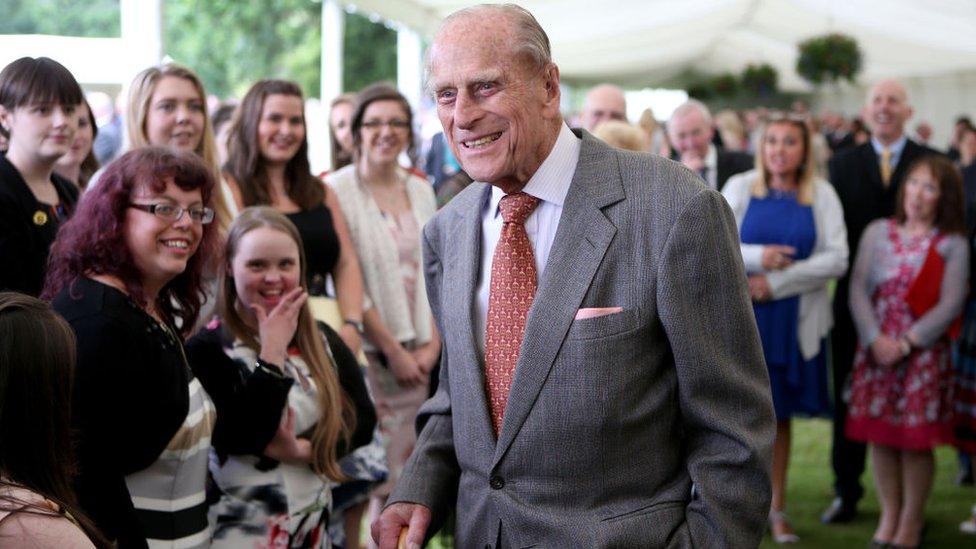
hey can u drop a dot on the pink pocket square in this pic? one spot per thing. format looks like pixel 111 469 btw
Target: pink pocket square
pixel 593 312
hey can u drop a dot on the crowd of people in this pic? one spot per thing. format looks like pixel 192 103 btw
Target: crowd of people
pixel 218 347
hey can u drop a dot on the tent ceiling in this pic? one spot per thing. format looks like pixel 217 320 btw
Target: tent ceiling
pixel 650 42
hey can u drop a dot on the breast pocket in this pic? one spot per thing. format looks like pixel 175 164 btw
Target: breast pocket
pixel 604 326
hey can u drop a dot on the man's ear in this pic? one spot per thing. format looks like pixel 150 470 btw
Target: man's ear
pixel 550 79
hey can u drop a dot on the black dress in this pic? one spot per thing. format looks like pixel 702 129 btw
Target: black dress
pixel 27 228
pixel 321 244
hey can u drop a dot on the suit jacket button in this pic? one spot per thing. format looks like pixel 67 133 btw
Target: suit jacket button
pixel 496 482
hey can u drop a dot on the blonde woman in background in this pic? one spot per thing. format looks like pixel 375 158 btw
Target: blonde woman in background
pixel 732 130
pixel 167 107
pixel 793 242
pixel 622 136
pixel 657 140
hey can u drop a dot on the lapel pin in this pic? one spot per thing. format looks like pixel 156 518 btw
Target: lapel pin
pixel 40 218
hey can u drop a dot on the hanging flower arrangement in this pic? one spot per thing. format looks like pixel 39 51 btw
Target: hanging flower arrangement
pixel 760 80
pixel 829 58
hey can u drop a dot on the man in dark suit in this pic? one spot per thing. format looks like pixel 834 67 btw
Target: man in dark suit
pixel 867 178
pixel 602 382
pixel 690 130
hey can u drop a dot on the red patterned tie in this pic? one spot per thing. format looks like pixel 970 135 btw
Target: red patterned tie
pixel 513 284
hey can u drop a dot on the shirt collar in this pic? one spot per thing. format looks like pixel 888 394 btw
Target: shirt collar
pixel 550 183
pixel 895 148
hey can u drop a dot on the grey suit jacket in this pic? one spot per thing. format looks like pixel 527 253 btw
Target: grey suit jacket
pixel 610 420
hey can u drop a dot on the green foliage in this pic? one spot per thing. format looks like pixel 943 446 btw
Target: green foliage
pixel 829 58
pixel 760 80
pixel 725 85
pixel 232 44
pixel 88 18
pixel 370 53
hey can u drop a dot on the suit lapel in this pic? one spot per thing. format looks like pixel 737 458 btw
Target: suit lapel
pixel 581 240
pixel 872 161
pixel 460 287
pixel 908 154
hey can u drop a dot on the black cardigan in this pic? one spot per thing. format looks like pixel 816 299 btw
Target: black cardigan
pixel 26 236
pixel 224 377
pixel 130 398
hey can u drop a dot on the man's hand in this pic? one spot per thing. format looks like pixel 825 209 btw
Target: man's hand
pixel 413 516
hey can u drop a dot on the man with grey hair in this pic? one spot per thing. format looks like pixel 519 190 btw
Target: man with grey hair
pixel 690 131
pixel 603 102
pixel 602 382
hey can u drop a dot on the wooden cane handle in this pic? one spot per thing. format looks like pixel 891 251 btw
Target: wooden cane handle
pixel 402 538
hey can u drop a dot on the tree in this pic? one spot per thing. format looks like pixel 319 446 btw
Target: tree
pixel 369 53
pixel 92 18
pixel 233 44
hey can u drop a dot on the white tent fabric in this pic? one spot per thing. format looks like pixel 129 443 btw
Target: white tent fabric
pixel 647 42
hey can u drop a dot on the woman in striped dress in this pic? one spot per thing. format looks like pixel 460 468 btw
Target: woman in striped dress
pixel 278 496
pixel 125 273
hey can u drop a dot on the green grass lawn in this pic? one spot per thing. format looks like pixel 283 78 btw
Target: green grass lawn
pixel 811 489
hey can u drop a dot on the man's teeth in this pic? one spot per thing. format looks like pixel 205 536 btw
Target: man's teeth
pixel 180 244
pixel 483 141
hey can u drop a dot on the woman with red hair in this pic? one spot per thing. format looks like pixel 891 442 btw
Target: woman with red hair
pixel 125 272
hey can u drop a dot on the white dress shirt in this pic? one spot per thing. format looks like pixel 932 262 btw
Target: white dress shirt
pixel 549 184
pixel 711 167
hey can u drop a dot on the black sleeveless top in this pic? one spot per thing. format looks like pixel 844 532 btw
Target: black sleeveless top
pixel 321 244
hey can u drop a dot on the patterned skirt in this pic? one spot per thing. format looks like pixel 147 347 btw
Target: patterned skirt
pixel 257 517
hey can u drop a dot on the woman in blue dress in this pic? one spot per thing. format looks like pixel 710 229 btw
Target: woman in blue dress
pixel 794 242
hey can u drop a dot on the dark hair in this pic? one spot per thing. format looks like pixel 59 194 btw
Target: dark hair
pixel 949 213
pixel 93 242
pixel 379 91
pixel 37 358
pixel 222 115
pixel 340 158
pixel 245 163
pixel 90 164
pixel 40 80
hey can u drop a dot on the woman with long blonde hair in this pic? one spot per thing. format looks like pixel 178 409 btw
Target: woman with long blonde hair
pixel 167 107
pixel 793 241
pixel 281 493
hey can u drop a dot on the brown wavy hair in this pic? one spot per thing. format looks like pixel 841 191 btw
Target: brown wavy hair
pixel 37 361
pixel 380 91
pixel 246 165
pixel 338 415
pixel 950 215
pixel 92 242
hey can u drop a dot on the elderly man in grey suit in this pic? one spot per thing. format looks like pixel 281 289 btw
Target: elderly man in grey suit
pixel 602 382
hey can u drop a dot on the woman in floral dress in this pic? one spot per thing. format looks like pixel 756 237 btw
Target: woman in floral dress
pixel 907 288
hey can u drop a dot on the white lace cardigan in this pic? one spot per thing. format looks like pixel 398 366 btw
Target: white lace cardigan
pixel 378 256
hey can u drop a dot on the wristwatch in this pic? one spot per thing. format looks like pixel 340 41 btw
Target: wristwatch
pixel 356 324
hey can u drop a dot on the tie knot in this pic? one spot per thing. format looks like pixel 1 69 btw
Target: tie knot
pixel 517 207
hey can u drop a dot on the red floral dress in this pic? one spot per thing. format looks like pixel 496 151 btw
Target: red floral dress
pixel 907 405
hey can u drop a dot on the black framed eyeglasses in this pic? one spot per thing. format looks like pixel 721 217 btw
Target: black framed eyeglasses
pixel 393 124
pixel 173 213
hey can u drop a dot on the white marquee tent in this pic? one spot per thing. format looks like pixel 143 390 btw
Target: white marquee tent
pixel 931 44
